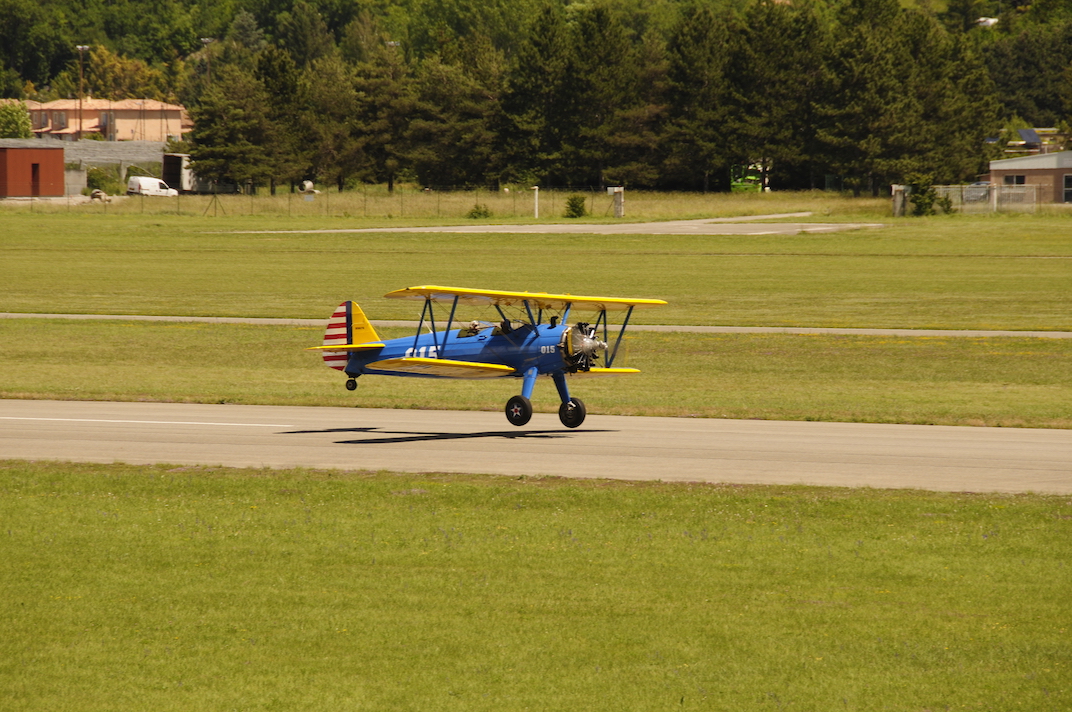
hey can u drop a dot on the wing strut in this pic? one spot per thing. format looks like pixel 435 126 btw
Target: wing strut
pixel 446 332
pixel 528 308
pixel 430 311
pixel 420 325
pixel 625 323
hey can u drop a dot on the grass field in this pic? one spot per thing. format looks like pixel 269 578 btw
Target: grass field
pixel 174 588
pixel 1001 272
pixel 989 272
pixel 950 381
pixel 177 588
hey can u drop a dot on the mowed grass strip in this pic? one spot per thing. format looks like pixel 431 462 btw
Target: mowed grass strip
pixel 1002 272
pixel 1024 382
pixel 175 588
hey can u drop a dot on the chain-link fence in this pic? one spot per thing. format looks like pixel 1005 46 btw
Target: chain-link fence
pixel 409 202
pixel 373 201
pixel 989 198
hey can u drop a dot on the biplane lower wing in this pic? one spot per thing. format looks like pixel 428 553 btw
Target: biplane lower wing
pixel 441 367
pixel 349 348
pixel 596 371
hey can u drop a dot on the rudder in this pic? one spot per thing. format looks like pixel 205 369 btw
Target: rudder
pixel 348 325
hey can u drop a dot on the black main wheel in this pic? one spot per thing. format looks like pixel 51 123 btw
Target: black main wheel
pixel 351 385
pixel 518 410
pixel 572 412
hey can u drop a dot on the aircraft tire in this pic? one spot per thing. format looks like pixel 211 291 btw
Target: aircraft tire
pixel 351 385
pixel 572 412
pixel 518 410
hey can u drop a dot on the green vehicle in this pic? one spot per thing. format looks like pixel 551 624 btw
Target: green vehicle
pixel 745 179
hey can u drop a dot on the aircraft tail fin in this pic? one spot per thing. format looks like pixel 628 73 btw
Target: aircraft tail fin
pixel 348 325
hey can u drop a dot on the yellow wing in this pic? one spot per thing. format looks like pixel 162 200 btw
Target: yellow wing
pixel 349 347
pixel 542 300
pixel 442 367
pixel 595 371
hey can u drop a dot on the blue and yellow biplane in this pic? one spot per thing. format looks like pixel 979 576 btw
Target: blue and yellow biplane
pixel 531 337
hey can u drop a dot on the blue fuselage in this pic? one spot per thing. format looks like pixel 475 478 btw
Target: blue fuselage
pixel 521 349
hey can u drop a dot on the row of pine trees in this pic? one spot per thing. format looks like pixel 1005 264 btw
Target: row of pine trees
pixel 668 94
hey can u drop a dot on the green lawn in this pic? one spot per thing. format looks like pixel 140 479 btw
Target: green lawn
pixel 1003 272
pixel 951 381
pixel 176 588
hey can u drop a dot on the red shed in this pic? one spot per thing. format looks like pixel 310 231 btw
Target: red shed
pixel 31 172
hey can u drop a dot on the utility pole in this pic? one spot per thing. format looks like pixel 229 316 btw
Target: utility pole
pixel 81 51
pixel 208 56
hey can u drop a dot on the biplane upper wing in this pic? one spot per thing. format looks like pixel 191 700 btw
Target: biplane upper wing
pixel 487 297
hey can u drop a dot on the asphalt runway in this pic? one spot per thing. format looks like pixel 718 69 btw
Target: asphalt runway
pixel 629 448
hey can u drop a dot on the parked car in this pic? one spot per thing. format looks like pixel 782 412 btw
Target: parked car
pixel 977 192
pixel 147 185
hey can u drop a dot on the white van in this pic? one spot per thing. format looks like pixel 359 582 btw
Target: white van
pixel 147 185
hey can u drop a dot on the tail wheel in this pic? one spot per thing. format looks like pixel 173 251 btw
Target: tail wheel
pixel 351 384
pixel 572 412
pixel 518 410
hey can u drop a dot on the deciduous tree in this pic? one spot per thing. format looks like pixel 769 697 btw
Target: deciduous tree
pixel 15 120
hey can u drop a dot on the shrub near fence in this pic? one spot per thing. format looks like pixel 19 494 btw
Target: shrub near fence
pixel 510 204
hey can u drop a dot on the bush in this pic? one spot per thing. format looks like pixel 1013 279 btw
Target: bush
pixel 924 197
pixel 105 179
pixel 479 211
pixel 575 206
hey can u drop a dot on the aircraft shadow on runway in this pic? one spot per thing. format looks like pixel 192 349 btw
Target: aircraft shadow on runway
pixel 412 437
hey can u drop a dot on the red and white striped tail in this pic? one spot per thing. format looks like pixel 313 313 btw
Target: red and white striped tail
pixel 347 326
pixel 340 327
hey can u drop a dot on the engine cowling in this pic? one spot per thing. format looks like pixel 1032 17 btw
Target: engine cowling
pixel 580 348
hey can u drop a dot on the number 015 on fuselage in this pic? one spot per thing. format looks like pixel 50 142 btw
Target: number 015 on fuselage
pixel 531 336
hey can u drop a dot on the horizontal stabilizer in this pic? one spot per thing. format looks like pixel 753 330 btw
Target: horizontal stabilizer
pixel 441 367
pixel 606 372
pixel 348 347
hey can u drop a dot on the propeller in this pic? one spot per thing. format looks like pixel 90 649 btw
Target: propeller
pixel 580 347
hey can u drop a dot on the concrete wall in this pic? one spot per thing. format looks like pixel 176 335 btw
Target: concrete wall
pixel 75 180
pixel 94 153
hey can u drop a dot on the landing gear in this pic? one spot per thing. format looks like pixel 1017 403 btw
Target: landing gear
pixel 572 412
pixel 518 410
pixel 351 384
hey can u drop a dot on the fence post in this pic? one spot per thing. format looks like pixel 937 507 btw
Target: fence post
pixel 898 200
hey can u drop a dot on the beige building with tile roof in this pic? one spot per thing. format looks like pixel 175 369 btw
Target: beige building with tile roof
pixel 126 120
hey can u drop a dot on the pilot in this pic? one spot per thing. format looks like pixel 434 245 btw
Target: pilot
pixel 505 326
pixel 554 321
pixel 472 330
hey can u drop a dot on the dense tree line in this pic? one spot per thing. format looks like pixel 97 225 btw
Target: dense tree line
pixel 647 93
